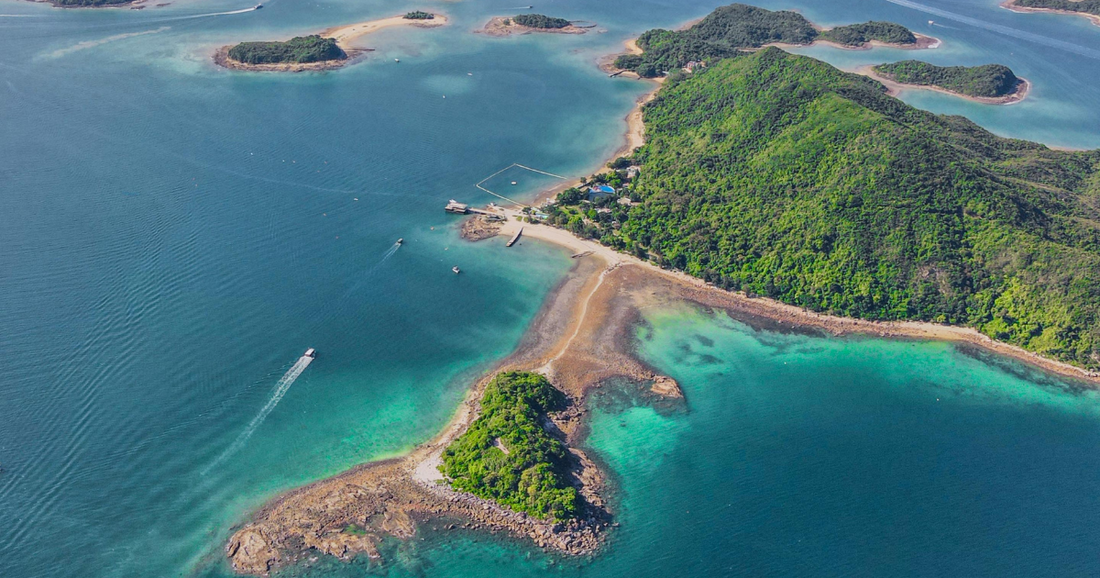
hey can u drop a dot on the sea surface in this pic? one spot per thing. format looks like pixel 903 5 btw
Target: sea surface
pixel 173 236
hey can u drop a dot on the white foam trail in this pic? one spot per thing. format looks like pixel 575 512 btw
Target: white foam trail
pixel 366 274
pixel 208 15
pixel 93 43
pixel 1007 31
pixel 280 390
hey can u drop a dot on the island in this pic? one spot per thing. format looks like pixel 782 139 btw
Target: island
pixel 530 23
pixel 1087 8
pixel 769 185
pixel 989 83
pixel 327 50
pixel 740 27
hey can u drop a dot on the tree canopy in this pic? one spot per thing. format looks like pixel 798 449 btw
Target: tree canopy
pixel 299 50
pixel 507 455
pixel 540 21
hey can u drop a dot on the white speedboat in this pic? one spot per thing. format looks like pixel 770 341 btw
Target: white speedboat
pixel 456 270
pixel 401 240
pixel 310 353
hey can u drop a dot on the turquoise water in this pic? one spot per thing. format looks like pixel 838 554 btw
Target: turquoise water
pixel 175 235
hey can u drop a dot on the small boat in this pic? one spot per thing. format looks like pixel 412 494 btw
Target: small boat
pixel 931 22
pixel 257 7
pixel 401 240
pixel 310 353
pixel 456 270
pixel 397 60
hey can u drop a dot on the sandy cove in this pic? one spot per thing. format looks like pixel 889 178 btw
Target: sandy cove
pixel 345 37
pixel 1011 5
pixel 894 88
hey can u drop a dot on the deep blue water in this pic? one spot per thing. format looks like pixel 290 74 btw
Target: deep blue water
pixel 174 236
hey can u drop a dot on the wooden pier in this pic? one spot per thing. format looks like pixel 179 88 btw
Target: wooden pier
pixel 515 237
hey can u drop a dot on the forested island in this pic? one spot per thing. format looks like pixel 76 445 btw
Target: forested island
pixel 779 175
pixel 297 50
pixel 1087 8
pixel 989 81
pixel 742 27
pixel 540 21
pixel 507 455
pixel 528 23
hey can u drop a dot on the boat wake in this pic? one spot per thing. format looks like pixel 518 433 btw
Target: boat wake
pixel 281 387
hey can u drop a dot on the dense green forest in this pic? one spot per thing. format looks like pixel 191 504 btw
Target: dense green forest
pixel 860 34
pixel 989 80
pixel 540 21
pixel 729 28
pixel 529 474
pixel 780 175
pixel 419 15
pixel 301 49
pixel 1086 6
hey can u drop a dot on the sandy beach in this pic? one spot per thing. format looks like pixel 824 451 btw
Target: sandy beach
pixel 345 36
pixel 894 88
pixel 1011 5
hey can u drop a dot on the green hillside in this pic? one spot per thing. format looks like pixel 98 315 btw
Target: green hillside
pixel 780 175
pixel 988 80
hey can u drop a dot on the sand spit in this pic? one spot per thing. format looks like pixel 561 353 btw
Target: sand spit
pixel 500 26
pixel 581 338
pixel 1011 5
pixel 345 37
pixel 894 88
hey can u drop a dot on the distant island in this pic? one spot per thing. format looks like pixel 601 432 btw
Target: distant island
pixel 739 27
pixel 327 50
pixel 529 23
pixel 1087 8
pixel 989 83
